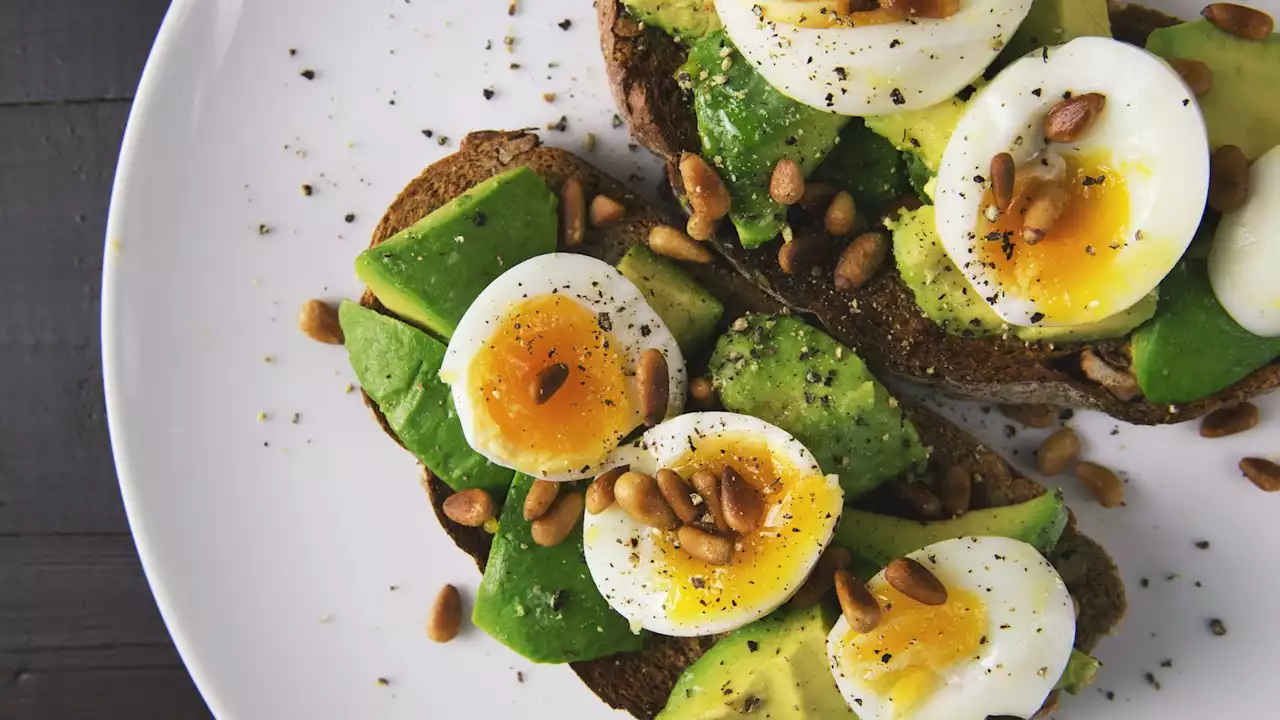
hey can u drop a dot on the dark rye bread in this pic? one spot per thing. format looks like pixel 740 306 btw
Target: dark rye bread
pixel 882 320
pixel 640 682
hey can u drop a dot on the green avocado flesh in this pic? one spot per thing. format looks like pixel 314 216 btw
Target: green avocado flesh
pixel 1193 348
pixel 430 272
pixel 945 296
pixel 1237 109
pixel 1054 22
pixel 688 310
pixel 398 366
pixel 684 20
pixel 924 133
pixel 541 601
pixel 746 127
pixel 799 378
pixel 879 539
pixel 773 668
pixel 867 166
pixel 1078 674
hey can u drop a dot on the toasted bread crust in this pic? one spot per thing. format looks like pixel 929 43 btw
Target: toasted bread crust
pixel 881 320
pixel 640 682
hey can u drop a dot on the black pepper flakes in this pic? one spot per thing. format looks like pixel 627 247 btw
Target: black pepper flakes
pixel 308 190
pixel 1202 544
pixel 309 74
pixel 1037 317
pixel 293 52
pixel 349 217
pixel 489 93
pixel 896 96
pixel 560 125
pixel 1217 627
pixel 428 133
pixel 565 24
pixel 752 645
pixel 617 121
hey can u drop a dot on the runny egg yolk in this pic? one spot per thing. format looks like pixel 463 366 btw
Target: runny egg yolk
pixel 1073 267
pixel 796 502
pixel 824 13
pixel 905 657
pixel 590 413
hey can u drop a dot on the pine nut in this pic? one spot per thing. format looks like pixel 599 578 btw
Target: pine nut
pixel 859 607
pixel 1229 420
pixel 318 320
pixel 445 619
pixel 573 212
pixel 817 196
pixel 706 192
pixel 638 494
pixel 915 581
pixel 1002 176
pixel 541 495
pixel 861 260
pixel 1045 209
pixel 700 227
pixel 676 492
pixel 1033 416
pixel 1197 75
pixel 552 528
pixel 704 546
pixel 786 185
pixel 1261 472
pixel 1103 484
pixel 1069 119
pixel 840 214
pixel 743 505
pixel 708 486
pixel 548 382
pixel 670 242
pixel 605 211
pixel 1058 452
pixel 1243 22
pixel 653 384
pixel 806 250
pixel 821 578
pixel 471 508
pixel 1119 383
pixel 600 491
pixel 702 394
pixel 917 496
pixel 955 491
pixel 1228 178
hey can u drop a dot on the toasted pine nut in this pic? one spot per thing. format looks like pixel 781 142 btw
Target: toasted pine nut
pixel 706 192
pixel 1118 382
pixel 605 211
pixel 653 384
pixel 708 486
pixel 548 382
pixel 786 185
pixel 552 528
pixel 805 251
pixel 638 494
pixel 472 507
pixel 573 212
pixel 445 619
pixel 1261 472
pixel 1043 211
pixel 859 607
pixel 955 491
pixel 1243 22
pixel 1058 452
pixel 1229 420
pixel 743 505
pixel 705 546
pixel 540 498
pixel 920 500
pixel 1228 178
pixel 915 581
pixel 1002 175
pixel 318 320
pixel 1103 484
pixel 702 394
pixel 821 577
pixel 600 491
pixel 1197 75
pixel 1067 120
pixel 861 260
pixel 677 492
pixel 1033 416
pixel 700 227
pixel 841 214
pixel 670 242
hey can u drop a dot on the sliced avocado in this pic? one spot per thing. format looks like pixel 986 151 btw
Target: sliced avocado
pixel 746 127
pixel 1054 22
pixel 398 366
pixel 879 539
pixel 430 272
pixel 684 20
pixel 1079 673
pixel 923 133
pixel 867 166
pixel 1236 110
pixel 799 378
pixel 1113 326
pixel 541 601
pixel 1192 348
pixel 690 312
pixel 773 668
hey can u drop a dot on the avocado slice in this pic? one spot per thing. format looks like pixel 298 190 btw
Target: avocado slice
pixel 799 378
pixel 866 165
pixel 775 668
pixel 684 20
pixel 746 127
pixel 1079 673
pixel 430 272
pixel 879 539
pixel 689 311
pixel 541 601
pixel 1054 22
pixel 1193 348
pixel 1236 109
pixel 923 133
pixel 398 366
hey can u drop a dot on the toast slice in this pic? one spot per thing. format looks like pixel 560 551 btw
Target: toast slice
pixel 640 682
pixel 881 320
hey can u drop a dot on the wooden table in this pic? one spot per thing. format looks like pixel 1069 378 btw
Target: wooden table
pixel 79 633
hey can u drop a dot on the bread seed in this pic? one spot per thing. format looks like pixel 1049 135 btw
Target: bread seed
pixel 541 495
pixel 1119 383
pixel 1058 452
pixel 472 507
pixel 548 382
pixel 821 578
pixel 708 486
pixel 806 250
pixel 1032 416
pixel 600 491
pixel 605 211
pixel 1197 75
pixel 709 548
pixel 1045 209
pixel 860 261
pixel 638 494
pixel 817 196
pixel 786 185
pixel 670 242
pixel 445 619
pixel 1263 473
pixel 318 320
pixel 1228 178
pixel 955 491
pixel 653 383
pixel 700 227
pixel 1069 119
pixel 706 193
pixel 919 499
pixel 677 491
pixel 1229 420
pixel 742 502
pixel 1002 174
pixel 915 581
pixel 552 528
pixel 859 607
pixel 573 212
pixel 1243 22
pixel 840 214
pixel 1103 484
pixel 702 394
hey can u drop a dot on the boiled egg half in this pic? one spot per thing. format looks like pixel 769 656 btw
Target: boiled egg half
pixel 1133 184
pixel 566 315
pixel 996 647
pixel 1246 252
pixel 649 579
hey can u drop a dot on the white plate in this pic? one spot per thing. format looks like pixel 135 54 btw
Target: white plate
pixel 294 563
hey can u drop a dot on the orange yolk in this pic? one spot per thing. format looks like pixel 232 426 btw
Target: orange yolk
pixel 906 655
pixel 825 13
pixel 589 414
pixel 788 536
pixel 1071 267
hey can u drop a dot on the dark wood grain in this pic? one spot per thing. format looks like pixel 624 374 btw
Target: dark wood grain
pixel 80 636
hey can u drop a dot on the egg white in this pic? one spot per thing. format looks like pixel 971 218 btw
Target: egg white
pixel 626 562
pixel 1017 668
pixel 1245 256
pixel 876 69
pixel 1151 128
pixel 593 284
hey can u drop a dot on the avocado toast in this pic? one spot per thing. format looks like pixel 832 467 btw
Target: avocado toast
pixel 913 320
pixel 641 671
